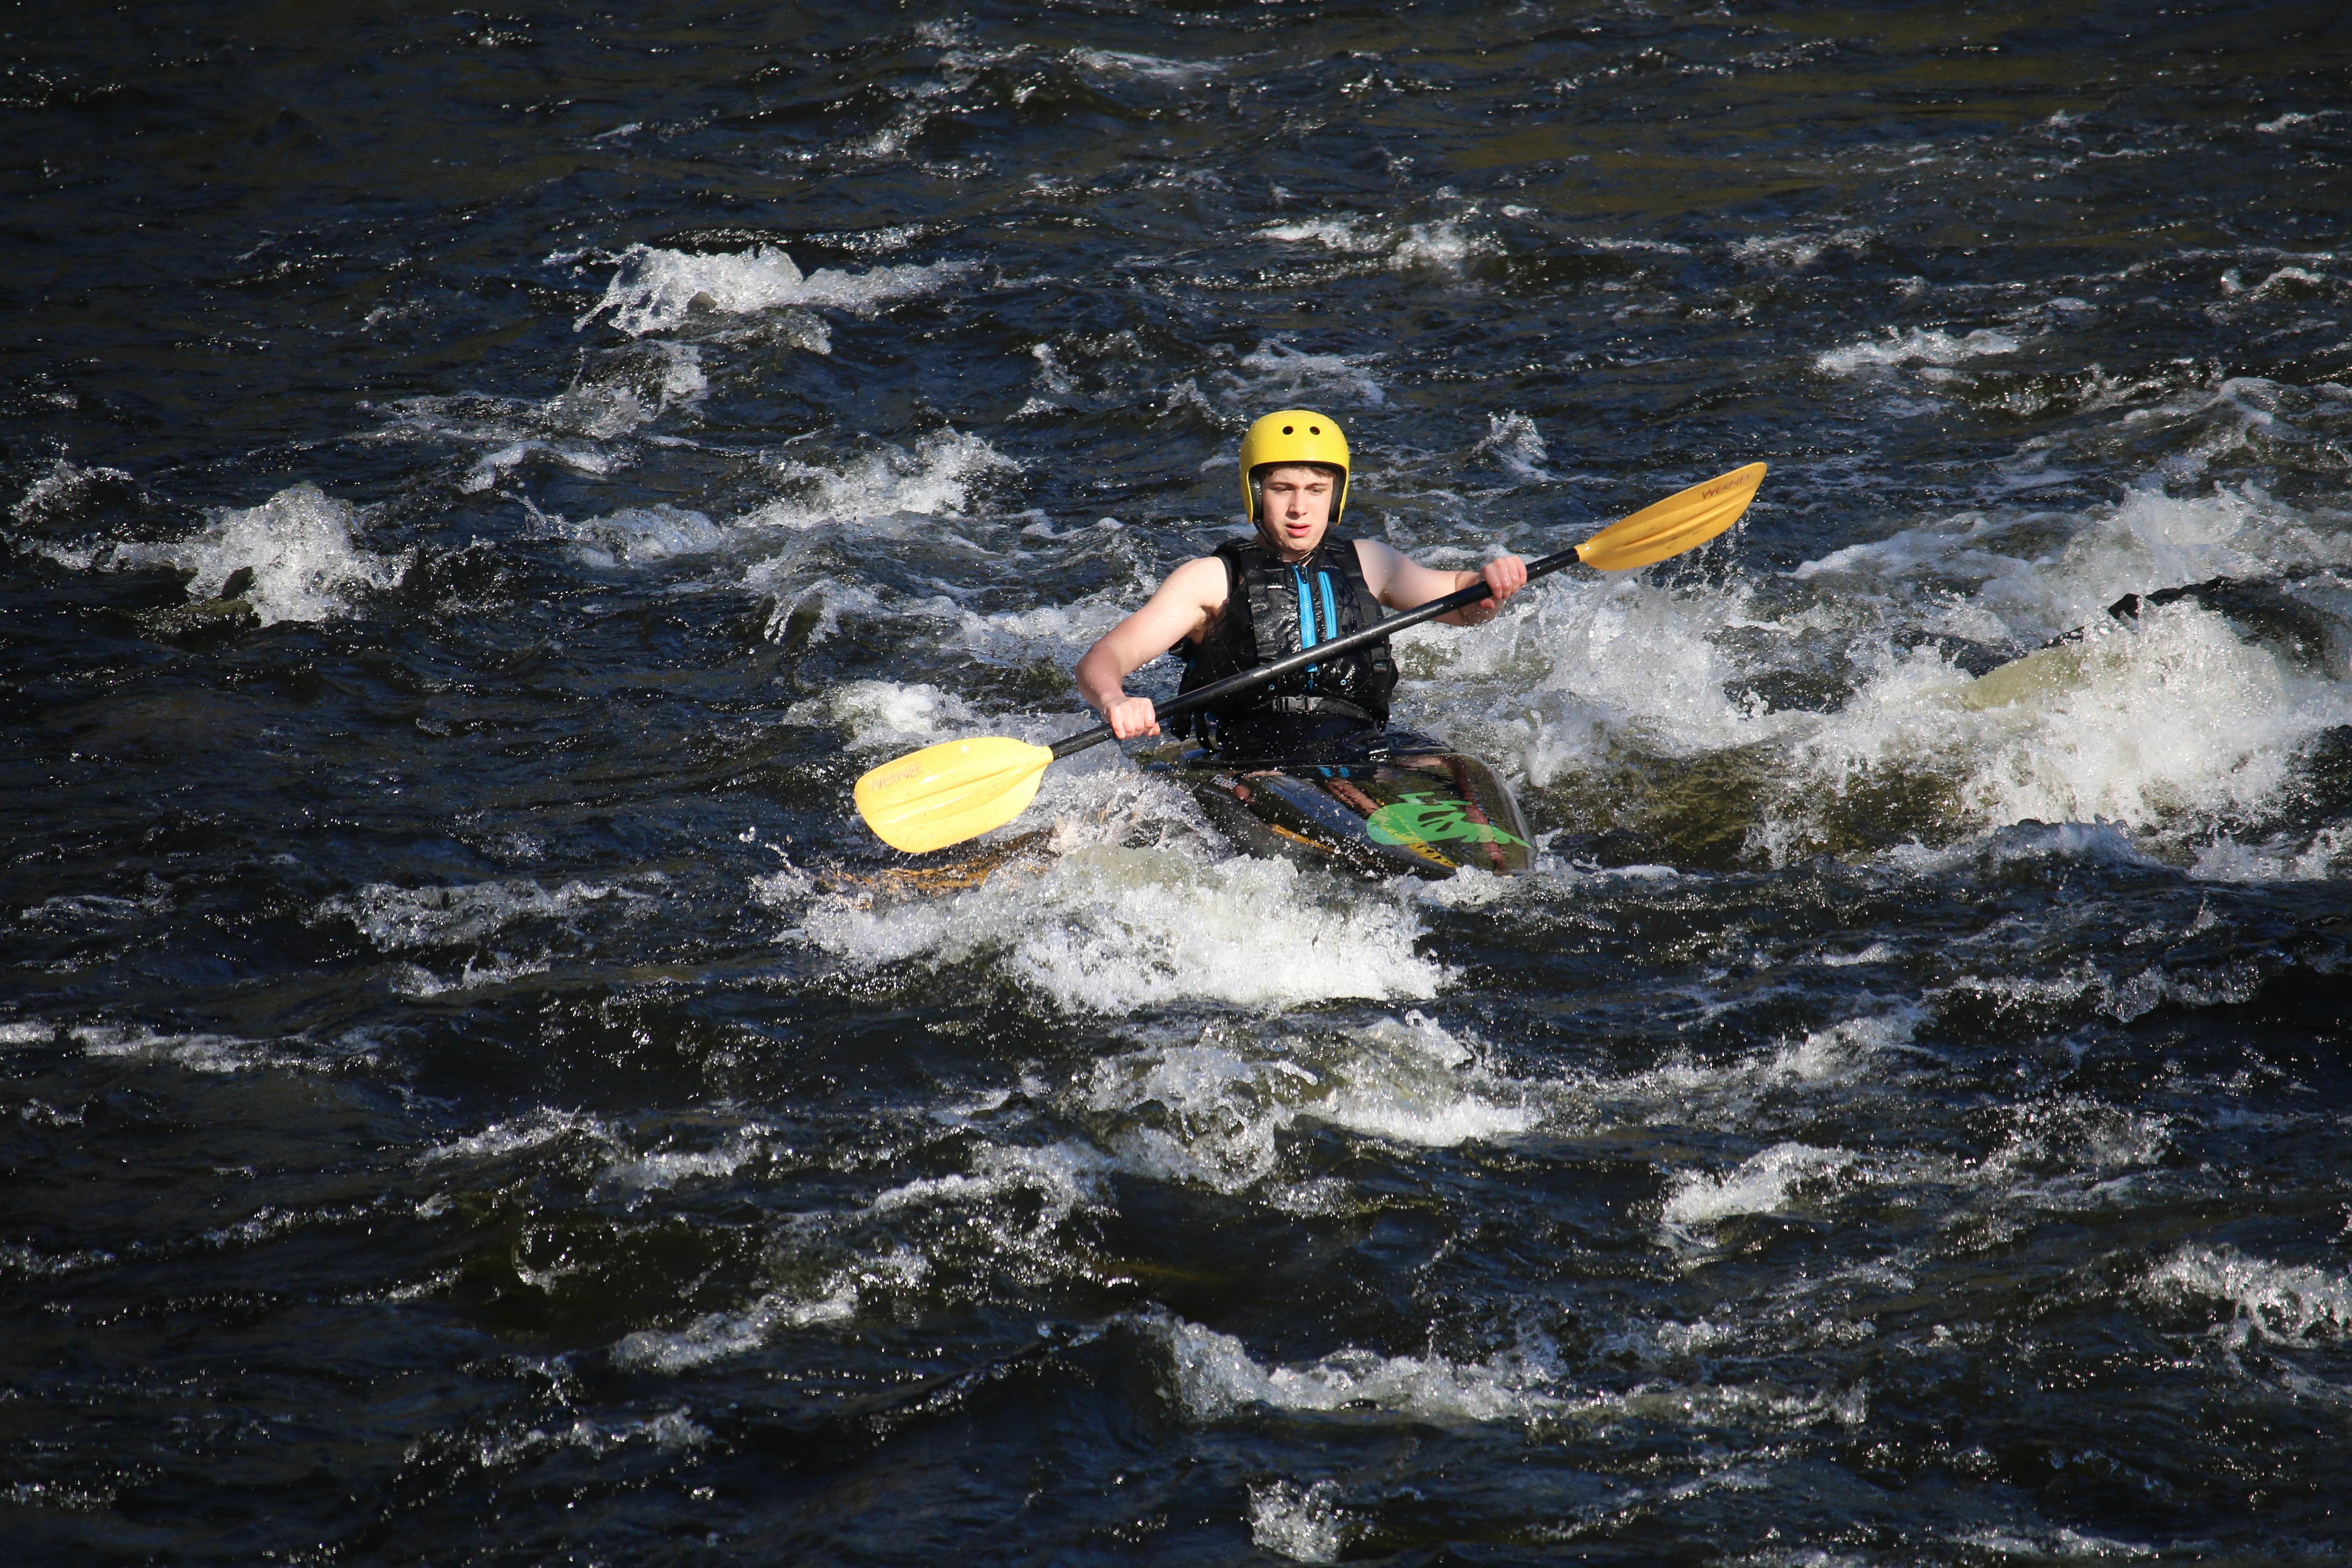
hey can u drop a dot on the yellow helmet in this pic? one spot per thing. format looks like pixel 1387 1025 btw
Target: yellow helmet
pixel 1294 436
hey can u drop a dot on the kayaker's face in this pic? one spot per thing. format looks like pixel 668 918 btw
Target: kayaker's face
pixel 1296 502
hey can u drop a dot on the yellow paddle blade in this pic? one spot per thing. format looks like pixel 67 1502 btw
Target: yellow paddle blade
pixel 1683 521
pixel 946 794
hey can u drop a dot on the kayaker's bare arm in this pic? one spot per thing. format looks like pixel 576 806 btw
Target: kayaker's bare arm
pixel 1401 583
pixel 1193 591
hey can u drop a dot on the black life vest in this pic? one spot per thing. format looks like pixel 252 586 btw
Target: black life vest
pixel 1275 609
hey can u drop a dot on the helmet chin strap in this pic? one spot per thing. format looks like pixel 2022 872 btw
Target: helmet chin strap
pixel 1257 518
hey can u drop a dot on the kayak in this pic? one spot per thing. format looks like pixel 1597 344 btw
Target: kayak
pixel 1426 811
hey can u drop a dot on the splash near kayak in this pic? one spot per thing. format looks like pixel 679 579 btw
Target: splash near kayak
pixel 616 947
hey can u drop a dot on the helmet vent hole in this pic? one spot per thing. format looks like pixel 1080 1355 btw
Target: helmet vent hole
pixel 1315 429
pixel 1286 430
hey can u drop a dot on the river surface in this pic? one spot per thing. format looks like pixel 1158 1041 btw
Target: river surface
pixel 481 486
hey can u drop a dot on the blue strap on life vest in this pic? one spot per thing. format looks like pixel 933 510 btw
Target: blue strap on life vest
pixel 1306 621
pixel 1307 633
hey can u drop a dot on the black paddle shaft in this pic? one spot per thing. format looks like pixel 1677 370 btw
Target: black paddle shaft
pixel 1378 631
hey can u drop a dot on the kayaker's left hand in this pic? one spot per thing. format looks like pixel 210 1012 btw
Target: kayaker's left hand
pixel 1504 576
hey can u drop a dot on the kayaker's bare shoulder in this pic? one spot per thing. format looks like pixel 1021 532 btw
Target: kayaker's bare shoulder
pixel 1381 563
pixel 1199 582
pixel 1181 610
pixel 1183 607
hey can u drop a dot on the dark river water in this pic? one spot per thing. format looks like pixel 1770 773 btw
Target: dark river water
pixel 481 486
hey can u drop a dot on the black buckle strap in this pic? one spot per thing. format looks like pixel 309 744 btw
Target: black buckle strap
pixel 1337 706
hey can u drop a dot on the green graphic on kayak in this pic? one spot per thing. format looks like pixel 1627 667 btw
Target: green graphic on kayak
pixel 1417 819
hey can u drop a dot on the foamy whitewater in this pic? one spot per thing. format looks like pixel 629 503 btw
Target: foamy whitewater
pixel 1112 929
pixel 656 290
pixel 294 552
pixel 479 489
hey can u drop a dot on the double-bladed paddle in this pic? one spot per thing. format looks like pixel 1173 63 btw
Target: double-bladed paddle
pixel 957 790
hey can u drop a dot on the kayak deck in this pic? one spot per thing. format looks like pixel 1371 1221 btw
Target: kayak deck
pixel 1426 811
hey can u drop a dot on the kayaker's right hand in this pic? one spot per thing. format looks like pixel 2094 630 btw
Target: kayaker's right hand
pixel 1131 716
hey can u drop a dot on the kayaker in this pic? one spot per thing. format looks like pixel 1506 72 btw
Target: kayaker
pixel 1290 586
